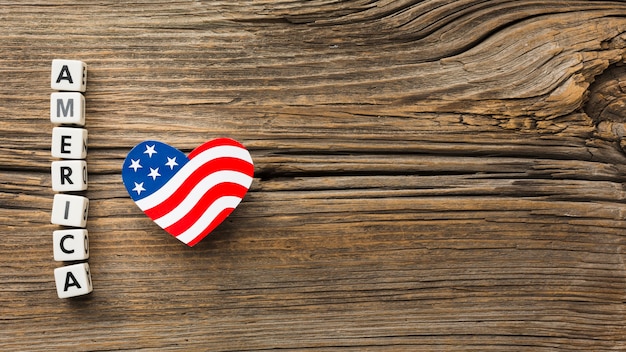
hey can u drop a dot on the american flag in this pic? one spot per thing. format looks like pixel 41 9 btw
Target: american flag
pixel 188 196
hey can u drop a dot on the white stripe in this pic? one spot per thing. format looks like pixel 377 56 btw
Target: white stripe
pixel 209 215
pixel 200 190
pixel 175 182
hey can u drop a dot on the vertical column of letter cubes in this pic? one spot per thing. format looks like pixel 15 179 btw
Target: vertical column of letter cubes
pixel 69 175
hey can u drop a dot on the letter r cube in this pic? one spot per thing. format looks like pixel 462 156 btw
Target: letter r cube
pixel 69 175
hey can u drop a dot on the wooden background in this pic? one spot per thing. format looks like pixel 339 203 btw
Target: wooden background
pixel 430 175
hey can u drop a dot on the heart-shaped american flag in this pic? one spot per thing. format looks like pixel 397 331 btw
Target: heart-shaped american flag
pixel 188 196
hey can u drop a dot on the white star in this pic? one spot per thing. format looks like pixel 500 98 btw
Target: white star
pixel 154 173
pixel 135 164
pixel 171 162
pixel 138 188
pixel 150 150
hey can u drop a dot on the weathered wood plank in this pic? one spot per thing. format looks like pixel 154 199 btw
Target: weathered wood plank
pixel 431 175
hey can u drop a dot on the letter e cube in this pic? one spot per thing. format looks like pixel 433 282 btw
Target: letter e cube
pixel 69 143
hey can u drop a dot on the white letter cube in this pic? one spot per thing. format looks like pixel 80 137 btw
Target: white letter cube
pixel 69 210
pixel 69 175
pixel 68 75
pixel 69 143
pixel 70 245
pixel 73 280
pixel 67 108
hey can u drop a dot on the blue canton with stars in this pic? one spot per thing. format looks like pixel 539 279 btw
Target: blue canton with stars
pixel 148 166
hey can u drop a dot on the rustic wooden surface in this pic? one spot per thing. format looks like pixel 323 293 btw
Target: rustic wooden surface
pixel 430 175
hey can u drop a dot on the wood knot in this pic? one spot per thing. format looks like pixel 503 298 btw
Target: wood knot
pixel 606 104
pixel 607 96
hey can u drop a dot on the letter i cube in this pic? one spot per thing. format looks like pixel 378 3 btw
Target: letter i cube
pixel 69 210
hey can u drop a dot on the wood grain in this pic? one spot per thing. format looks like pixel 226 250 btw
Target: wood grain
pixel 430 175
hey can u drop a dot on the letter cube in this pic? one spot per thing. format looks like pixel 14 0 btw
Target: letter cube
pixel 73 280
pixel 70 245
pixel 69 175
pixel 68 75
pixel 67 108
pixel 69 210
pixel 69 143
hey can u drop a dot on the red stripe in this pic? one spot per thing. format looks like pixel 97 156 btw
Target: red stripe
pixel 220 190
pixel 219 164
pixel 215 143
pixel 218 220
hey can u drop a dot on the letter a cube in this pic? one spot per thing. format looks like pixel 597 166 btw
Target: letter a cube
pixel 68 75
pixel 73 280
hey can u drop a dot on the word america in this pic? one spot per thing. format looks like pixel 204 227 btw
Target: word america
pixel 69 175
